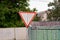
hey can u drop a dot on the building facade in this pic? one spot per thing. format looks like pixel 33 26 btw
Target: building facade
pixel 43 15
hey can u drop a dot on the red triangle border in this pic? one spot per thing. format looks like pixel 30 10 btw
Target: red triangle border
pixel 23 18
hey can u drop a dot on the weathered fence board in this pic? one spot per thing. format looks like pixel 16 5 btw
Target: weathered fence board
pixel 44 30
pixel 11 33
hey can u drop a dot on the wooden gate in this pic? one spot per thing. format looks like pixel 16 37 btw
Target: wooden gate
pixel 44 32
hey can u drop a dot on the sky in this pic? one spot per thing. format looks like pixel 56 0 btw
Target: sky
pixel 40 5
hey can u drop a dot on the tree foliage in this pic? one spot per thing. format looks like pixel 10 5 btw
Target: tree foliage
pixel 9 9
pixel 55 11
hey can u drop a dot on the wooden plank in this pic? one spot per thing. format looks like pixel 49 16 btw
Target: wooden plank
pixel 40 35
pixel 58 34
pixel 33 35
pixel 45 35
pixel 53 34
pixel 49 34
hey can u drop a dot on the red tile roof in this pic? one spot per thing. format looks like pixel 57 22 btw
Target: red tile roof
pixel 52 23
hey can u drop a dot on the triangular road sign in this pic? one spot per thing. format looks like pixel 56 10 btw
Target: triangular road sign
pixel 27 17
